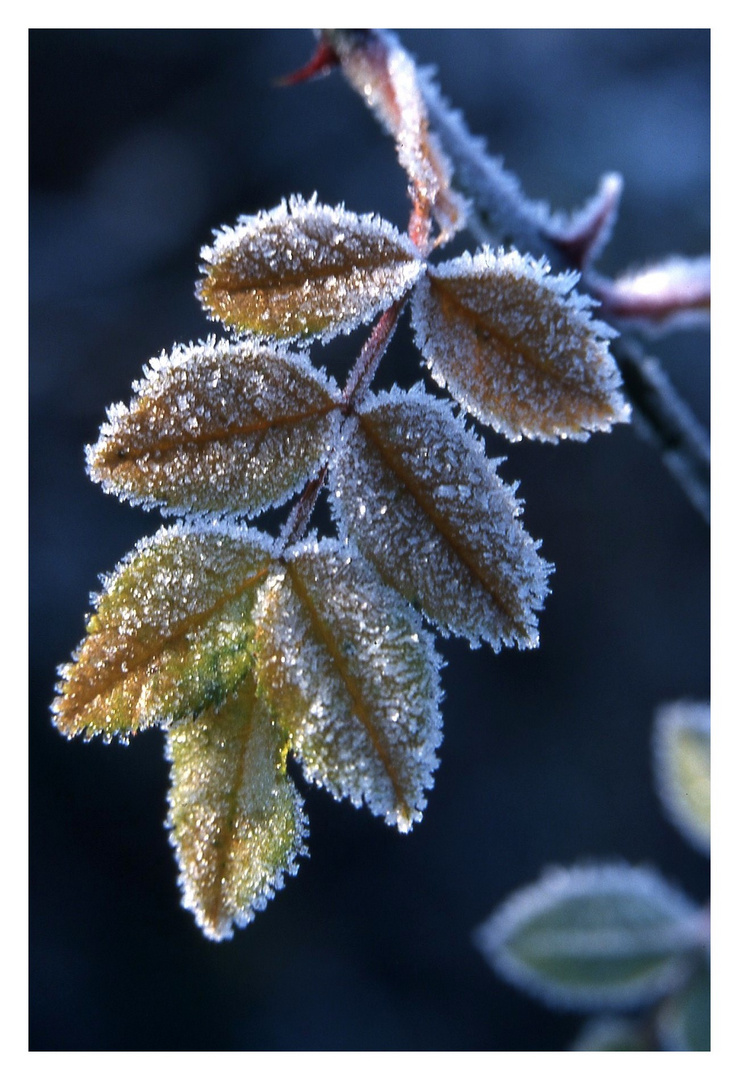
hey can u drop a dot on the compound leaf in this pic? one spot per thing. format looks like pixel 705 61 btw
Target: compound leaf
pixel 219 426
pixel 516 348
pixel 419 497
pixel 349 671
pixel 594 937
pixel 682 761
pixel 236 819
pixel 304 270
pixel 170 632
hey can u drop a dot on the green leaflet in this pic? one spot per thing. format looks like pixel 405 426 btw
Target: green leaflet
pixel 346 665
pixel 235 817
pixel 594 937
pixel 170 633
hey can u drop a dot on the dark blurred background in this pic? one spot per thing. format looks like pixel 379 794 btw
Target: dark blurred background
pixel 141 142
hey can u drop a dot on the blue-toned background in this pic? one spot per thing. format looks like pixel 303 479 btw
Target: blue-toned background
pixel 141 142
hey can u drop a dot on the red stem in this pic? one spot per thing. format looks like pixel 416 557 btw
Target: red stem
pixel 356 387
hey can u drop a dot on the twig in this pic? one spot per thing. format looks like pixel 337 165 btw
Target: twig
pixel 502 214
pixel 664 419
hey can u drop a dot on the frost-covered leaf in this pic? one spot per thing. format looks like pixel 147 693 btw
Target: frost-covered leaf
pixel 219 426
pixel 594 937
pixel 235 817
pixel 684 1020
pixel 415 491
pixel 170 632
pixel 382 72
pixel 613 1033
pixel 682 761
pixel 349 671
pixel 304 270
pixel 516 347
pixel 672 294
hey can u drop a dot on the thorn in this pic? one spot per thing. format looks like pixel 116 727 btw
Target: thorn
pixel 584 236
pixel 323 61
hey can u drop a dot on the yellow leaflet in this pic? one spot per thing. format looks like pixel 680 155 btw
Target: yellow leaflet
pixel 170 633
pixel 235 817
pixel 682 753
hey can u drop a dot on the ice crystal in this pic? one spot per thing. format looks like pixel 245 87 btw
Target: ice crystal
pixel 304 270
pixel 235 817
pixel 219 426
pixel 416 492
pixel 517 347
pixel 353 676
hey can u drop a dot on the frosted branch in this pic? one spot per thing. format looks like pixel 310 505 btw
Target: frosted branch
pixel 500 212
pixel 664 419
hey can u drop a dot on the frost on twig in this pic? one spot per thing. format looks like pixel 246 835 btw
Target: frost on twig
pixel 663 418
pixel 669 295
pixel 676 294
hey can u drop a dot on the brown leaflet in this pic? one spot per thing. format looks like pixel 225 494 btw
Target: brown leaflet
pixel 416 493
pixel 517 348
pixel 219 426
pixel 304 270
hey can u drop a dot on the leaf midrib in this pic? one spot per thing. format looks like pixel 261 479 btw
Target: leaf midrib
pixel 146 656
pixel 512 345
pixel 324 633
pixel 270 280
pixel 439 521
pixel 223 434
